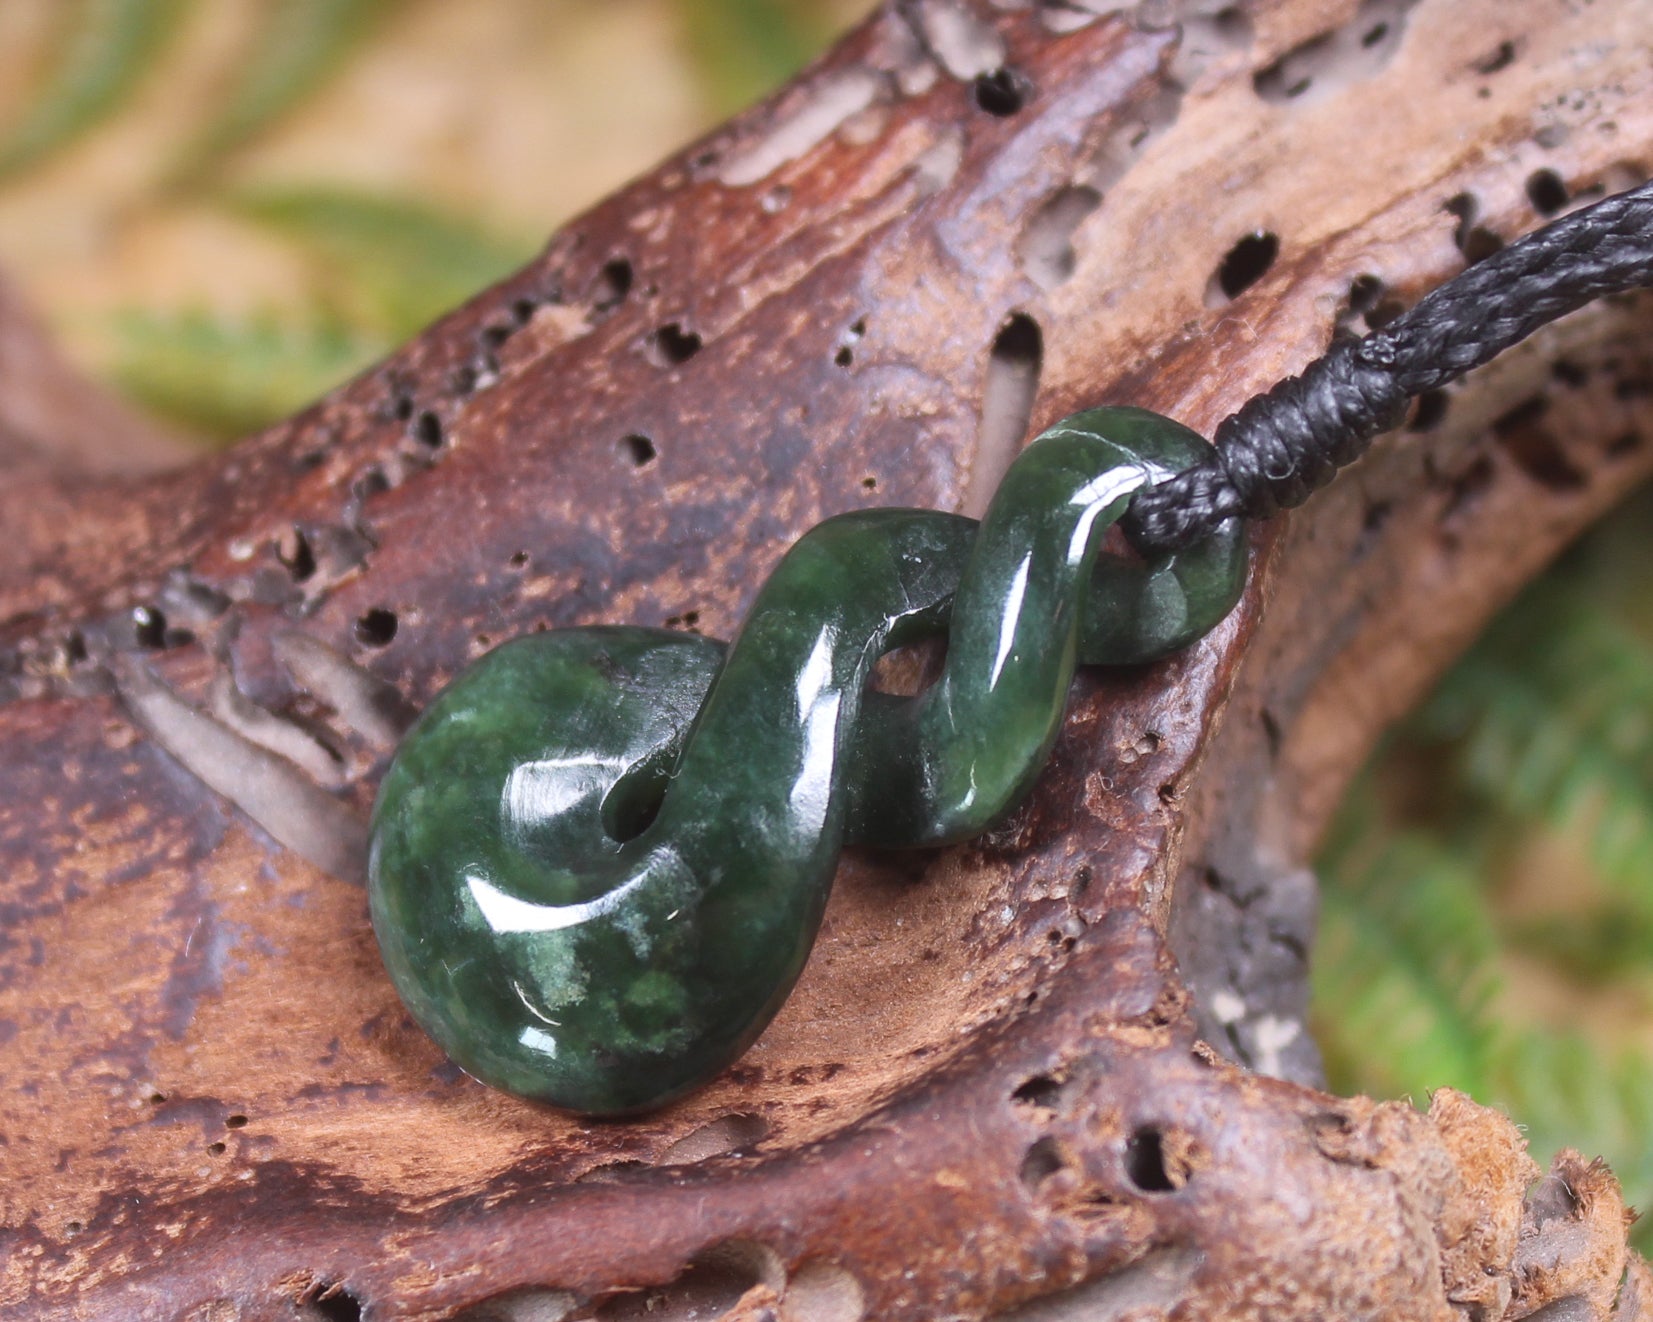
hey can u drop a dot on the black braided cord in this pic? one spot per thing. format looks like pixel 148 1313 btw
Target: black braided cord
pixel 1288 442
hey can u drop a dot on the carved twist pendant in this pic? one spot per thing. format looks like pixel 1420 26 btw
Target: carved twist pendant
pixel 600 858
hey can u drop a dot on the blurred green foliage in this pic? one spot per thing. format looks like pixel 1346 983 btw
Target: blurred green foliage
pixel 388 266
pixel 742 48
pixel 301 43
pixel 1502 842
pixel 384 268
pixel 229 376
pixel 381 266
pixel 101 50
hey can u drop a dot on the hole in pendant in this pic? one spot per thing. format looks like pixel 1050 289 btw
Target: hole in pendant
pixel 906 672
pixel 632 804
pixel 1247 262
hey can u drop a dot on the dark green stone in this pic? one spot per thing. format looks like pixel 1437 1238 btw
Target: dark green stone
pixel 600 858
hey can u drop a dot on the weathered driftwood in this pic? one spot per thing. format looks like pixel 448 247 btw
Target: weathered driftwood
pixel 992 1093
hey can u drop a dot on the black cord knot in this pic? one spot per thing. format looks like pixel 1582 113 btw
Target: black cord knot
pixel 1287 443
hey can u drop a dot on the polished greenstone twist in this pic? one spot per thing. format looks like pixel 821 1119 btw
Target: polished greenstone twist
pixel 600 858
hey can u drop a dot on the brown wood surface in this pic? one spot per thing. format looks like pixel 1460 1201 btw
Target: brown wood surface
pixel 862 292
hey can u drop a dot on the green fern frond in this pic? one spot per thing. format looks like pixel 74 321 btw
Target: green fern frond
pixel 1407 988
pixel 226 377
pixel 1569 634
pixel 1532 757
pixel 104 49
pixel 1541 736
pixel 1550 718
pixel 393 265
pixel 299 45
pixel 1566 1091
pixel 1406 955
pixel 741 49
pixel 1598 946
pixel 389 268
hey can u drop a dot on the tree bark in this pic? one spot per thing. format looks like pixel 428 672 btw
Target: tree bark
pixel 1059 1072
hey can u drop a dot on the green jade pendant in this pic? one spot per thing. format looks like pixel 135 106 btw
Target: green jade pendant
pixel 600 857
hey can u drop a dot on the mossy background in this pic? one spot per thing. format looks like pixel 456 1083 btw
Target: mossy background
pixel 225 207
